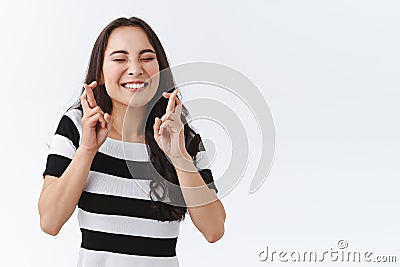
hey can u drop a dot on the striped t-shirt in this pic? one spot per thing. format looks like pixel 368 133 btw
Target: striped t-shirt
pixel 118 225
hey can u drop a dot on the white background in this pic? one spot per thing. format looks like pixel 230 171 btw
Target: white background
pixel 328 69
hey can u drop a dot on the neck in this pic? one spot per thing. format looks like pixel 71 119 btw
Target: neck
pixel 128 123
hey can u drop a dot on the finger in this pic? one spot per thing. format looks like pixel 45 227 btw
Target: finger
pixel 156 127
pixel 93 120
pixel 100 119
pixel 157 124
pixel 84 103
pixel 178 110
pixel 173 115
pixel 97 113
pixel 90 96
pixel 167 116
pixel 108 119
pixel 93 84
pixel 171 101
pixel 178 103
pixel 169 124
pixel 95 110
pixel 166 94
pixel 177 100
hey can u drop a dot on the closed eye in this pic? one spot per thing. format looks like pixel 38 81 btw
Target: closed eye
pixel 118 60
pixel 147 59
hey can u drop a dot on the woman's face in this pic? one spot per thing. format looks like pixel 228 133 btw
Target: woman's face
pixel 129 62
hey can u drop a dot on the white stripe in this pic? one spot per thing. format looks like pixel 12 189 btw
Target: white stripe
pixel 106 184
pixel 112 147
pixel 125 150
pixel 61 145
pixel 90 258
pixel 127 225
pixel 76 116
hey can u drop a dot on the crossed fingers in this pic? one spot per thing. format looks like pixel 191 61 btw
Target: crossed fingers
pixel 89 104
pixel 171 118
pixel 174 107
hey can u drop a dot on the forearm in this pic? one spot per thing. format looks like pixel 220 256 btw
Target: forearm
pixel 58 200
pixel 209 220
pixel 204 207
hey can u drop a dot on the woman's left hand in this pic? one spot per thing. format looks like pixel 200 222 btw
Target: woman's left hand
pixel 168 131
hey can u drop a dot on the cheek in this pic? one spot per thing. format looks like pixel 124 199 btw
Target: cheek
pixel 152 69
pixel 110 73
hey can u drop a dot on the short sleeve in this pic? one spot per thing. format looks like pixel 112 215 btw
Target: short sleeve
pixel 202 164
pixel 63 144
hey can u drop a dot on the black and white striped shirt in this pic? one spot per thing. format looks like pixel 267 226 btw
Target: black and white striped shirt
pixel 118 225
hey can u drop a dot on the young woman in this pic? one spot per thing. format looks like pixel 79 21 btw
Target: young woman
pixel 120 153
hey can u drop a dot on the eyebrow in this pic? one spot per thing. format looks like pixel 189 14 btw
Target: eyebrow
pixel 126 52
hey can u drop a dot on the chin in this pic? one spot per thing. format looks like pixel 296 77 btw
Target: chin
pixel 138 102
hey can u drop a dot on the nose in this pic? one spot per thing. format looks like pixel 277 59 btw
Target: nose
pixel 135 67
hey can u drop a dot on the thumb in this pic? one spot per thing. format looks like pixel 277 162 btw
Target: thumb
pixel 108 118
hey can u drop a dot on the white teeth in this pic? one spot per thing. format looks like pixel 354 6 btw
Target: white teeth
pixel 134 85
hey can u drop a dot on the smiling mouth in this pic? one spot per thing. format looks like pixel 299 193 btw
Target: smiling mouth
pixel 134 86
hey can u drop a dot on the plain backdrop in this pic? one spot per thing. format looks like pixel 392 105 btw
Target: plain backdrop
pixel 328 69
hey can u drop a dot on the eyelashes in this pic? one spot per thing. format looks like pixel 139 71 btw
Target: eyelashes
pixel 142 60
pixel 147 59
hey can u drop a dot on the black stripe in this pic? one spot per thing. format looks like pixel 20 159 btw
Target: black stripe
pixel 136 169
pixel 123 206
pixel 122 168
pixel 56 165
pixel 207 176
pixel 67 128
pixel 201 146
pixel 125 244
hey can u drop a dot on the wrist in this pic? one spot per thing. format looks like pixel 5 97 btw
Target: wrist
pixel 86 152
pixel 184 163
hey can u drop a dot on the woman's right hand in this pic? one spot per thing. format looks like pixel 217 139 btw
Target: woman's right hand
pixel 95 123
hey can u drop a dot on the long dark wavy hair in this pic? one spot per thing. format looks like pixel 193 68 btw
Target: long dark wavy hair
pixel 158 104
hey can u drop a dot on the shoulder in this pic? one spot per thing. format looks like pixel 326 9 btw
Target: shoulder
pixel 75 115
pixel 70 126
pixel 72 119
